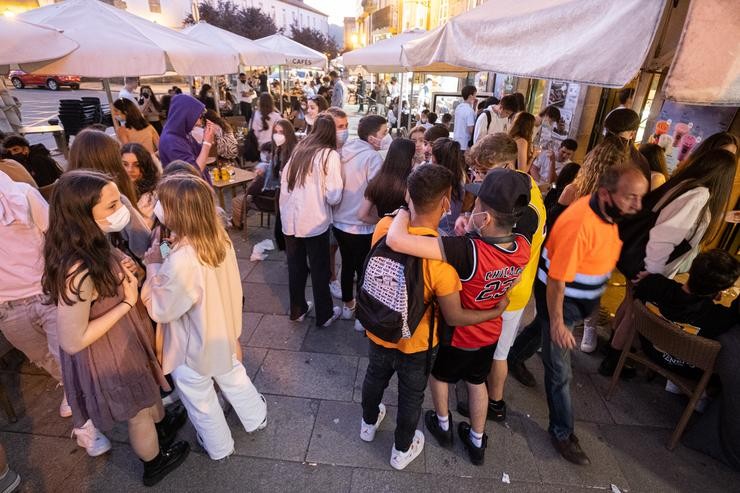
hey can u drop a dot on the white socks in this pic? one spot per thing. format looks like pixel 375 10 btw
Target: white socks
pixel 444 422
pixel 476 438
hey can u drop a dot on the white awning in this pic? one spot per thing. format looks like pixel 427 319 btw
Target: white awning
pixel 706 69
pixel 24 42
pixel 250 52
pixel 115 43
pixel 594 42
pixel 294 53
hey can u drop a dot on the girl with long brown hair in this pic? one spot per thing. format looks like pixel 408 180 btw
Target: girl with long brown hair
pixel 264 119
pixel 522 130
pixel 133 126
pixel 106 343
pixel 310 184
pixel 193 290
pixel 95 150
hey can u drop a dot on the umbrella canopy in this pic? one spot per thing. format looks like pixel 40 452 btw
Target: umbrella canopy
pixel 250 53
pixel 25 42
pixel 115 43
pixel 385 56
pixel 294 53
pixel 588 41
pixel 706 69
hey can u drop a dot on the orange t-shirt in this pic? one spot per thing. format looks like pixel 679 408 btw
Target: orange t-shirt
pixel 440 279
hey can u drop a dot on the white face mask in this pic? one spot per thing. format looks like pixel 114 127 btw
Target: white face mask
pixel 197 134
pixel 310 119
pixel 116 221
pixel 159 212
pixel 386 142
pixel 279 139
pixel 471 227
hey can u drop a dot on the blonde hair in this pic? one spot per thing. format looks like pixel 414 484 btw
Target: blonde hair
pixel 190 212
pixel 612 151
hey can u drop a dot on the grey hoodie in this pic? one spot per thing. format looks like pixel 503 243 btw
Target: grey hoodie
pixel 360 163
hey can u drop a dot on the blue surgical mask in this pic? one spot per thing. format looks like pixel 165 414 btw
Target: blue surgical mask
pixel 342 136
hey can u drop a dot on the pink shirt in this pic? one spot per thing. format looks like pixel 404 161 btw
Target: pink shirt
pixel 22 249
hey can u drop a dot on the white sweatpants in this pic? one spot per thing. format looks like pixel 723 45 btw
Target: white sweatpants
pixel 199 397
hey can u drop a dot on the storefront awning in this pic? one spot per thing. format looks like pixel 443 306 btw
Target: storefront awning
pixel 595 42
pixel 706 69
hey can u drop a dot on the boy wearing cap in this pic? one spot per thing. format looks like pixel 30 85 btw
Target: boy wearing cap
pixel 489 260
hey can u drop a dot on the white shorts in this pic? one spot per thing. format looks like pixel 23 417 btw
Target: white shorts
pixel 510 324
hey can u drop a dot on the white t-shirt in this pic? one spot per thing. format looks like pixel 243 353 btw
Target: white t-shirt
pixel 464 118
pixel 125 93
pixel 542 163
pixel 245 87
pixel 482 127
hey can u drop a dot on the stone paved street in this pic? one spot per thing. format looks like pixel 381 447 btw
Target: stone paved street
pixel 312 379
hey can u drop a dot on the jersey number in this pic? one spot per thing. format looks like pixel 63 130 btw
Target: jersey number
pixel 494 289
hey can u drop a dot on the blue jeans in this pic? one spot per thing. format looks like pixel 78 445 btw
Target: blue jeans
pixel 556 360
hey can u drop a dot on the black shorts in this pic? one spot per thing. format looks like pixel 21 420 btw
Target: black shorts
pixel 454 364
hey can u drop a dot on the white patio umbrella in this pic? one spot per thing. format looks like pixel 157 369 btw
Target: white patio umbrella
pixel 115 43
pixel 385 56
pixel 294 53
pixel 250 52
pixel 22 42
pixel 589 41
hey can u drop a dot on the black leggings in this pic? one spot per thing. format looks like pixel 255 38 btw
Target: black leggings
pixel 354 249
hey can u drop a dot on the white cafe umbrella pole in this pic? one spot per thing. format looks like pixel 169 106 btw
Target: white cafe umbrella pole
pixel 411 98
pixel 109 95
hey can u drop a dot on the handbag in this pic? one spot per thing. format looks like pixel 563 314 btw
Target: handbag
pixel 251 145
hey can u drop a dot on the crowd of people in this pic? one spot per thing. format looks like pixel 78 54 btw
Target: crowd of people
pixel 128 292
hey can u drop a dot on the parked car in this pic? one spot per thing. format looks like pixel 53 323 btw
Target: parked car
pixel 20 79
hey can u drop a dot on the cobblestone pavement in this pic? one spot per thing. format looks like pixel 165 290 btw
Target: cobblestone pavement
pixel 312 379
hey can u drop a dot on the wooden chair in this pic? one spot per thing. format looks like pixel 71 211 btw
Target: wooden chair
pixel 692 349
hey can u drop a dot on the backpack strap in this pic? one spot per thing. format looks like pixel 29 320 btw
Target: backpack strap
pixel 432 328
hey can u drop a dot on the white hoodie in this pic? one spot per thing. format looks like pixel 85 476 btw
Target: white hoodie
pixel 360 163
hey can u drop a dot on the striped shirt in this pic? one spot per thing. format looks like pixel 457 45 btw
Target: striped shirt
pixel 581 250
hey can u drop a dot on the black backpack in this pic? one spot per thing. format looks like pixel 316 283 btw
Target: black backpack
pixel 390 301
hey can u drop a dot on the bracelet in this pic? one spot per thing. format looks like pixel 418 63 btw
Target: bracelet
pixel 207 144
pixel 129 304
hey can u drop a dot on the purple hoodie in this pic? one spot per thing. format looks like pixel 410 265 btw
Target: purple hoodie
pixel 176 141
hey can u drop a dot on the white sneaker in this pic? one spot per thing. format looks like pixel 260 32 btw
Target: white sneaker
pixel 337 312
pixel 90 438
pixel 358 326
pixel 336 289
pixel 170 398
pixel 399 460
pixel 590 339
pixel 308 310
pixel 367 432
pixel 65 410
pixel 348 313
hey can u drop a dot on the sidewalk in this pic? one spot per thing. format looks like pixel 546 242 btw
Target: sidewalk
pixel 312 380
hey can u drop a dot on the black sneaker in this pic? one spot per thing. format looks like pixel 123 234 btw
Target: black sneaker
pixel 521 374
pixel 609 365
pixel 167 461
pixel 444 438
pixel 477 454
pixel 175 417
pixel 496 412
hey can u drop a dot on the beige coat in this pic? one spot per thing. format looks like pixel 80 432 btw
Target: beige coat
pixel 198 309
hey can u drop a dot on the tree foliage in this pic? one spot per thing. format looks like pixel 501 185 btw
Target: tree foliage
pixel 249 22
pixel 315 39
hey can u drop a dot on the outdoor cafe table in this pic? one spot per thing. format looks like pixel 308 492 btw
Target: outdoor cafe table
pixel 240 178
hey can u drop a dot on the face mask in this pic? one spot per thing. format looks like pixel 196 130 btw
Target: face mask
pixel 197 134
pixel 614 212
pixel 159 212
pixel 116 221
pixel 446 211
pixel 471 227
pixel 265 157
pixel 121 121
pixel 278 139
pixel 310 119
pixel 386 142
pixel 20 157
pixel 342 136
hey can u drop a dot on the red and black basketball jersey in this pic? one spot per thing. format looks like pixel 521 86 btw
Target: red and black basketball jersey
pixel 487 271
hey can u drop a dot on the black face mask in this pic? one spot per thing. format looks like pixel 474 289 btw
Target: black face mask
pixel 21 158
pixel 614 212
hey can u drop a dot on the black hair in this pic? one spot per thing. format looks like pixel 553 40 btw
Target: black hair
pixel 713 271
pixel 552 112
pixel 521 103
pixel 387 190
pixel 369 125
pixel 432 117
pixel 447 153
pixel 509 103
pixel 425 112
pixel 625 94
pixel 468 91
pixel 149 171
pixel 14 140
pixel 622 120
pixel 436 131
pixel 426 185
pixel 570 144
pixel 655 157
pixel 447 117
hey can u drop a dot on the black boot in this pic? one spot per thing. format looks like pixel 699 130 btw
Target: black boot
pixel 167 461
pixel 609 364
pixel 175 417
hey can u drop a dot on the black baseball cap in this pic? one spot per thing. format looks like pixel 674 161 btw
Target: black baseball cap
pixel 503 190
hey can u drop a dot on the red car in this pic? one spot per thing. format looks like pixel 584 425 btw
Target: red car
pixel 20 79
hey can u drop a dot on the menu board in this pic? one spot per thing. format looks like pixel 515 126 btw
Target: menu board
pixel 563 95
